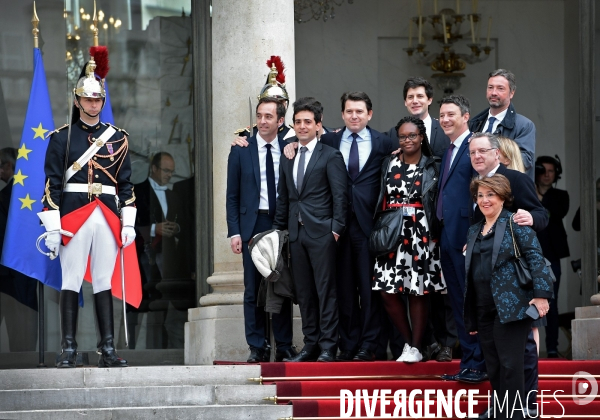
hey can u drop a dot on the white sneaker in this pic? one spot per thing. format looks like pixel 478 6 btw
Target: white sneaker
pixel 404 353
pixel 413 356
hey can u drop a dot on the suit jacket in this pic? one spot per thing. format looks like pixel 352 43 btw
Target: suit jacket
pixel 323 200
pixel 554 238
pixel 458 203
pixel 525 197
pixel 511 300
pixel 516 127
pixel 364 190
pixel 243 188
pixel 438 141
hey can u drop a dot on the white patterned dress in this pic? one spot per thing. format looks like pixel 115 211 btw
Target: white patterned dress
pixel 415 267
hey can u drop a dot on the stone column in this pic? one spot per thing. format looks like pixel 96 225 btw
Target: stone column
pixel 245 33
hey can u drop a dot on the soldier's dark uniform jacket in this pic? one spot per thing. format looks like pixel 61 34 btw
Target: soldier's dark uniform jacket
pixel 110 166
pixel 245 132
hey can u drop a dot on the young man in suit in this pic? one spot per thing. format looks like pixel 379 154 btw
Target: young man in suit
pixel 502 119
pixel 312 205
pixel 252 178
pixel 363 150
pixel 454 208
pixel 418 96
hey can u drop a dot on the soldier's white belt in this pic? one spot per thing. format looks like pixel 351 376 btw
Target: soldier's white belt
pixel 89 153
pixel 96 188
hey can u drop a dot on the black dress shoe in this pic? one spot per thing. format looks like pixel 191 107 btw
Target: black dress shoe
pixel 303 356
pixel 444 355
pixel 285 354
pixel 326 356
pixel 257 355
pixel 364 355
pixel 472 376
pixel 345 356
pixel 450 377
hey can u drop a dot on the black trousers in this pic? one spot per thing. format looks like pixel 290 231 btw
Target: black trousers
pixel 254 316
pixel 313 267
pixel 503 348
pixel 359 306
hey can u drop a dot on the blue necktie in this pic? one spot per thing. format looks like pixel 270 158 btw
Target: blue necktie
pixel 491 122
pixel 270 180
pixel 353 162
pixel 440 209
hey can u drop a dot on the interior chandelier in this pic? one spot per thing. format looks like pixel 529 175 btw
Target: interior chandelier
pixel 307 10
pixel 444 29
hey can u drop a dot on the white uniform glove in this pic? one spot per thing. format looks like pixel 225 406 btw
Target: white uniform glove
pixel 127 221
pixel 51 221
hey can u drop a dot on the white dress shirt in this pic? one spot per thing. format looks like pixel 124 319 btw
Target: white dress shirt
pixel 310 146
pixel 159 190
pixel 363 142
pixel 457 143
pixel 262 161
pixel 498 118
pixel 427 122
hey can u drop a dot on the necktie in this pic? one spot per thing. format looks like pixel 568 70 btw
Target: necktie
pixel 353 162
pixel 440 210
pixel 270 181
pixel 300 171
pixel 491 122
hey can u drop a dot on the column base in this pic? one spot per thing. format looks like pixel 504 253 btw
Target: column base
pixel 585 329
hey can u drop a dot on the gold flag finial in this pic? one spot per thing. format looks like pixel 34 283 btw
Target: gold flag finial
pixel 95 29
pixel 35 21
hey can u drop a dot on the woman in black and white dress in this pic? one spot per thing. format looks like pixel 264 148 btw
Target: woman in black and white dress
pixel 409 184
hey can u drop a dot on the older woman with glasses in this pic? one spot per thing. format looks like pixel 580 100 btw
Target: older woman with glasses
pixel 409 185
pixel 496 307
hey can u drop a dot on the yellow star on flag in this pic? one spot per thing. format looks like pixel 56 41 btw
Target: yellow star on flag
pixel 39 132
pixel 23 152
pixel 27 202
pixel 19 178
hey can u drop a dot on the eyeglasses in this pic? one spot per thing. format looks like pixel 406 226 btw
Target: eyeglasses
pixel 411 137
pixel 167 171
pixel 488 196
pixel 481 152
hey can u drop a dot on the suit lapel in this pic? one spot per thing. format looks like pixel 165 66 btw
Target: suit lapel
pixel 316 154
pixel 463 148
pixel 499 236
pixel 470 245
pixel 255 163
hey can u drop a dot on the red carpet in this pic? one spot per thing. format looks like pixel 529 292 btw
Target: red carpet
pixel 314 389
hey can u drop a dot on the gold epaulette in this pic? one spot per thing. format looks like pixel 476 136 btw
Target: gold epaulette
pixel 241 130
pixel 122 130
pixel 57 130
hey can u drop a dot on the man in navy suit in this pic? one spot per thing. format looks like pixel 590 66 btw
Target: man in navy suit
pixel 363 150
pixel 252 177
pixel 454 208
pixel 418 96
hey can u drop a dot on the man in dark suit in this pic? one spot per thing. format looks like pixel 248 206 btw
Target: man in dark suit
pixel 528 211
pixel 454 208
pixel 252 177
pixel 363 150
pixel 418 96
pixel 312 205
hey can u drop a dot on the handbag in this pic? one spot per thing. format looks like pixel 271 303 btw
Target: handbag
pixel 386 233
pixel 524 277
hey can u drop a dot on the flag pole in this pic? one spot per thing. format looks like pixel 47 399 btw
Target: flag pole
pixel 95 30
pixel 35 21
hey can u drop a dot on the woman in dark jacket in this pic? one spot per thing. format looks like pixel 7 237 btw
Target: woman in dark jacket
pixel 553 239
pixel 409 184
pixel 495 305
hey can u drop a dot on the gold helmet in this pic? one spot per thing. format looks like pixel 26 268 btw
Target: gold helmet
pixel 275 86
pixel 89 86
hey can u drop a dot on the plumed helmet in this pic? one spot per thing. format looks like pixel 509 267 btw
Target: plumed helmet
pixel 89 86
pixel 275 86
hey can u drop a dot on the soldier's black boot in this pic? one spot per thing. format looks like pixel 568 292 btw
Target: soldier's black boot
pixel 106 346
pixel 68 327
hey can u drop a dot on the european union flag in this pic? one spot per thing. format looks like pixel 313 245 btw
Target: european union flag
pixel 106 116
pixel 23 227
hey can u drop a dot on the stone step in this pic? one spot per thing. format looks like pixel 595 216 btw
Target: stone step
pixel 212 412
pixel 53 378
pixel 148 396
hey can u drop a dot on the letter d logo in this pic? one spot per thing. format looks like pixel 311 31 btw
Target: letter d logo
pixel 585 388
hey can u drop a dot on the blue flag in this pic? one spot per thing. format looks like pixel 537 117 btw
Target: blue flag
pixel 106 115
pixel 23 227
